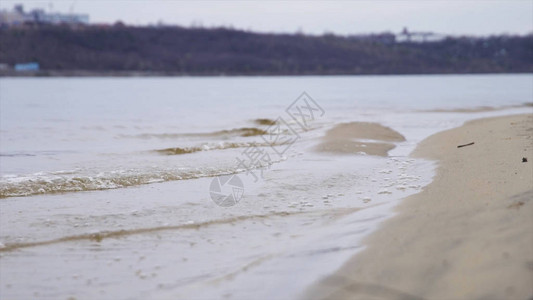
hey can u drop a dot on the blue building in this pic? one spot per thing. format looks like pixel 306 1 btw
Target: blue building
pixel 31 66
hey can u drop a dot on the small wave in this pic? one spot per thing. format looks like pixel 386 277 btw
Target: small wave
pixel 54 182
pixel 34 153
pixel 208 147
pixel 16 154
pixel 478 108
pixel 264 122
pixel 99 236
pixel 62 181
pixel 178 150
pixel 242 132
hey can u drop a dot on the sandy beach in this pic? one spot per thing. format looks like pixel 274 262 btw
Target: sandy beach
pixel 467 235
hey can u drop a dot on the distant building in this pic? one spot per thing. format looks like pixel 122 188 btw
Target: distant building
pixel 418 37
pixel 38 16
pixel 24 67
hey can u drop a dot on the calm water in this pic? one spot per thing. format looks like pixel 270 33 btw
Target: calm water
pixel 113 174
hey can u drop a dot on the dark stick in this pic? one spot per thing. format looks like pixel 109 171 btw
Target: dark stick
pixel 465 145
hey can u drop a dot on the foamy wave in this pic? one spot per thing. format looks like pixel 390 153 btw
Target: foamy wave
pixel 57 182
pixel 76 180
pixel 79 180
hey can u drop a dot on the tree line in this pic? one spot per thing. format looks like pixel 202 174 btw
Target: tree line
pixel 200 51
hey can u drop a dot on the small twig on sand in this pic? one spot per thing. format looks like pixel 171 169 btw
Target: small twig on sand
pixel 465 145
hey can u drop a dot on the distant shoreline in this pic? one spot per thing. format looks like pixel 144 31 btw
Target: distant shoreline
pixel 175 51
pixel 80 73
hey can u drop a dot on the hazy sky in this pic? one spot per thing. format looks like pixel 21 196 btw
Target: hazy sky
pixel 480 17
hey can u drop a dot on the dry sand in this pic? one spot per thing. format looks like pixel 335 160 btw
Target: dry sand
pixel 360 137
pixel 467 235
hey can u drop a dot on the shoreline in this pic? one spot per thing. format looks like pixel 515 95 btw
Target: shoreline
pixel 467 235
pixel 141 74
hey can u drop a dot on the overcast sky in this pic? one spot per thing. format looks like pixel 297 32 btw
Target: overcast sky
pixel 471 17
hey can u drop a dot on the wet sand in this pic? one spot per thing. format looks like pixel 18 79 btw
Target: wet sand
pixel 360 138
pixel 467 235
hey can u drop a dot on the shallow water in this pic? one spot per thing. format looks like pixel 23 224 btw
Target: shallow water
pixel 105 181
pixel 77 134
